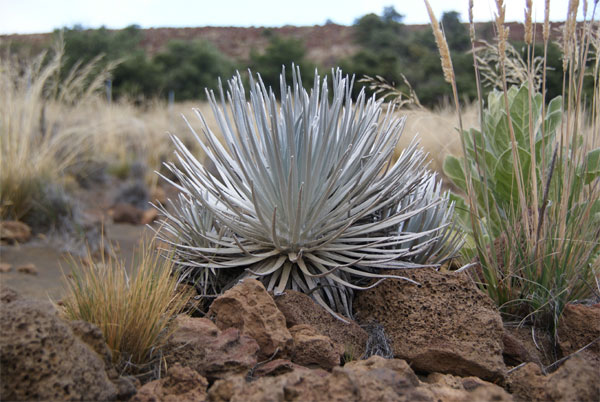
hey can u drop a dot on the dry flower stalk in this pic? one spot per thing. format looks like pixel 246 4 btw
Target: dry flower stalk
pixel 440 40
pixel 569 30
pixel 546 31
pixel 502 30
pixel 471 24
pixel 528 22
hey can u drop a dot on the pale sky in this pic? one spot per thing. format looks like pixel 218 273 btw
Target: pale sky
pixel 36 16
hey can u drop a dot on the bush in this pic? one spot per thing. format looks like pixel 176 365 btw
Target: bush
pixel 306 196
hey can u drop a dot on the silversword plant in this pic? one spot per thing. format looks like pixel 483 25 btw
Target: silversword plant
pixel 305 195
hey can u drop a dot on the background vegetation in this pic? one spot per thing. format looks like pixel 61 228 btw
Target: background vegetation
pixel 383 45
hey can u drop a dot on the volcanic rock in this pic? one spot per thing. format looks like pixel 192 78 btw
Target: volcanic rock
pixel 43 359
pixel 249 308
pixel 198 343
pixel 310 348
pixel 445 324
pixel 181 384
pixel 299 308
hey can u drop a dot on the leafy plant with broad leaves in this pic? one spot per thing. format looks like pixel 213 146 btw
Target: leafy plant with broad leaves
pixel 538 249
pixel 305 195
pixel 489 152
pixel 491 162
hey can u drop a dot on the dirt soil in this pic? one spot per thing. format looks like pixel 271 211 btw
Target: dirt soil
pixel 49 260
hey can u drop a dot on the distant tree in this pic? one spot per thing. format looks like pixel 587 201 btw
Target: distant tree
pixel 391 15
pixel 83 44
pixel 188 67
pixel 134 75
pixel 137 77
pixel 279 52
pixel 457 34
pixel 390 50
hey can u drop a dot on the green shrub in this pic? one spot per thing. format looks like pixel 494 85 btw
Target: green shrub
pixel 489 153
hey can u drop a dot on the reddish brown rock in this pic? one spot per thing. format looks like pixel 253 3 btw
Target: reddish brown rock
pixel 299 308
pixel 14 231
pixel 126 213
pixel 514 351
pixel 28 269
pixel 575 380
pixel 249 308
pixel 182 384
pixel 198 343
pixel 273 367
pixel 310 348
pixel 578 327
pixel 42 359
pixel 445 324
pixel 375 379
pixel 277 367
pixel 449 388
pixel 224 390
pixel 539 344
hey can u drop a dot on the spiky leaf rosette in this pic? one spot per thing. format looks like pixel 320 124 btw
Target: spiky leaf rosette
pixel 305 195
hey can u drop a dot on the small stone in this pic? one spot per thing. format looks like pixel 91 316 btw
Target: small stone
pixel 4 267
pixel 126 213
pixel 180 384
pixel 28 269
pixel 149 216
pixel 299 308
pixel 197 343
pixel 14 231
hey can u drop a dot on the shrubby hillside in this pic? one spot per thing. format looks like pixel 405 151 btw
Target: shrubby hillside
pixel 181 62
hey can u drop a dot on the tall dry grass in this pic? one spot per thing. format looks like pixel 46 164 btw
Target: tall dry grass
pixel 53 122
pixel 36 146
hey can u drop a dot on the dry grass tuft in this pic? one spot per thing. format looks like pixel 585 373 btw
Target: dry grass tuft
pixel 134 310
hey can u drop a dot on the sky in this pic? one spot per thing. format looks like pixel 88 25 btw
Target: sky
pixel 38 16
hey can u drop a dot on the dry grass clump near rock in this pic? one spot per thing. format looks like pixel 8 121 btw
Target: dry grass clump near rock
pixel 530 171
pixel 304 195
pixel 134 309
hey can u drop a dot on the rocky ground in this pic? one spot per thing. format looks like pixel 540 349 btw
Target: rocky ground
pixel 444 340
pixel 252 346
